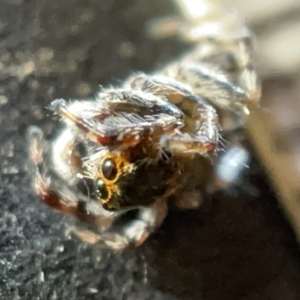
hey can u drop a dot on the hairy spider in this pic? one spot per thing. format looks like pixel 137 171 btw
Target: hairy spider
pixel 121 159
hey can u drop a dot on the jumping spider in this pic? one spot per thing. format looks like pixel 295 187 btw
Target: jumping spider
pixel 119 160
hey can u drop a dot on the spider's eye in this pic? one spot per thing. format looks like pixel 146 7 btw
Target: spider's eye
pixel 101 189
pixel 109 169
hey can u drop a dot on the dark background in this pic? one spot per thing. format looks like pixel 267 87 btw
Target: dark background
pixel 237 246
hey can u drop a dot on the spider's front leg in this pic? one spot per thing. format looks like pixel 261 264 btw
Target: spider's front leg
pixel 53 190
pixel 201 130
pixel 120 118
pixel 203 139
pixel 134 232
pixel 58 194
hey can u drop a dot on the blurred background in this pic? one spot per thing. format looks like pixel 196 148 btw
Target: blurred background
pixel 242 244
pixel 275 127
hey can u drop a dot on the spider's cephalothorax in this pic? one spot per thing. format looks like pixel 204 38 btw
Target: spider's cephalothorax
pixel 147 144
pixel 122 181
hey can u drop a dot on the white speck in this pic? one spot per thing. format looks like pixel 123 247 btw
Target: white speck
pixel 93 290
pixel 127 130
pixel 45 54
pixel 120 137
pixel 12 170
pixel 59 249
pixel 83 89
pixel 137 137
pixel 126 49
pixel 3 100
pixel 41 276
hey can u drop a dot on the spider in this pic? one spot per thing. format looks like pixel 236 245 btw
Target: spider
pixel 121 159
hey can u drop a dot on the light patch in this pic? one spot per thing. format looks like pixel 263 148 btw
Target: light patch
pixel 120 137
pixel 128 130
pixel 60 154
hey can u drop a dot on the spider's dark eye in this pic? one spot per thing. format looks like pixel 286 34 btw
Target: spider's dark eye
pixel 101 189
pixel 109 169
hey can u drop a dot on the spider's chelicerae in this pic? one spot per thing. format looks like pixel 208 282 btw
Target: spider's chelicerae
pixel 121 159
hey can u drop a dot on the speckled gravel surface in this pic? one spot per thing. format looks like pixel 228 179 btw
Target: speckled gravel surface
pixel 236 247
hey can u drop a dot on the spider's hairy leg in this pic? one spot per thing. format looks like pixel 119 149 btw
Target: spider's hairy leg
pixel 222 72
pixel 186 143
pixel 61 151
pixel 120 117
pixel 72 113
pixel 136 231
pixel 44 182
pixel 247 77
pixel 36 163
pixel 148 220
pixel 209 83
pixel 55 192
pixel 202 139
pixel 200 133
